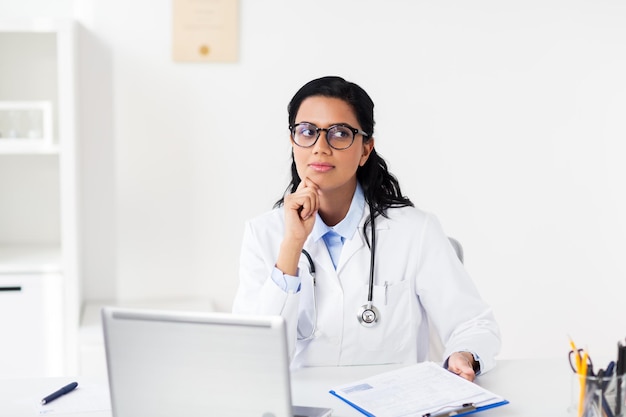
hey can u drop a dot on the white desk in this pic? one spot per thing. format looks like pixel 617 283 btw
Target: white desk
pixel 535 388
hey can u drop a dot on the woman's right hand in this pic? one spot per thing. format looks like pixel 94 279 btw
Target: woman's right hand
pixel 300 209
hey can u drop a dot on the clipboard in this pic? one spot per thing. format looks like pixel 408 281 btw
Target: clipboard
pixel 424 389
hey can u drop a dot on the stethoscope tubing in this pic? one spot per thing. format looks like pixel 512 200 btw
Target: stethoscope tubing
pixel 311 264
pixel 370 291
pixel 368 315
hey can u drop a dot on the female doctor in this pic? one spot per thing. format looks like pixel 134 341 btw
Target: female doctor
pixel 355 269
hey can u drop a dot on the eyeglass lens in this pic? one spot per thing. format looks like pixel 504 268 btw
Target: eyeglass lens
pixel 338 136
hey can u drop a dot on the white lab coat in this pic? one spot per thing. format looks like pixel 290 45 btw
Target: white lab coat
pixel 417 273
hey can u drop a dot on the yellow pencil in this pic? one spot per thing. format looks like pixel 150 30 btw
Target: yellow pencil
pixel 571 343
pixel 582 375
pixel 575 350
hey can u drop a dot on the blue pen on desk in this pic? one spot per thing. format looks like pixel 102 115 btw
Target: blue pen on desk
pixel 57 394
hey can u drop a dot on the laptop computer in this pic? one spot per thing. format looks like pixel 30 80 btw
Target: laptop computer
pixel 166 363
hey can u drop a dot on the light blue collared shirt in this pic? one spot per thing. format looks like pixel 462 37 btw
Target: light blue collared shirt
pixel 346 229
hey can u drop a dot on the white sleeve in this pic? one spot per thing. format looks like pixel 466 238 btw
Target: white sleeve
pixel 462 318
pixel 257 293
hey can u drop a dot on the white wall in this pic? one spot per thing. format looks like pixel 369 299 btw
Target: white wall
pixel 506 119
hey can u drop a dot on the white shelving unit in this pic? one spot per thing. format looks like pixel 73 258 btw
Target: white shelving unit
pixel 39 260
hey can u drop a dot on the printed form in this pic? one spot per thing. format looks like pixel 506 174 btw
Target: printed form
pixel 423 389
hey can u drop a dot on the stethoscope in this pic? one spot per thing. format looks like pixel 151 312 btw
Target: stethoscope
pixel 368 315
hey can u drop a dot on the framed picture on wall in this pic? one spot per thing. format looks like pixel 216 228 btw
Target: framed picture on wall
pixel 205 30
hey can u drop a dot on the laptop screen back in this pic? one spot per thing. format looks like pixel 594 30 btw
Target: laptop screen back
pixel 196 364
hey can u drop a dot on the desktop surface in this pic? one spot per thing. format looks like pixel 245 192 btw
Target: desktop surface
pixel 533 387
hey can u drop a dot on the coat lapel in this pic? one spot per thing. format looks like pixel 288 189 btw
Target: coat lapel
pixel 357 243
pixel 319 254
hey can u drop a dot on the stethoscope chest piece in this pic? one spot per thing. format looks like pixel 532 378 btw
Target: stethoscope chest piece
pixel 368 315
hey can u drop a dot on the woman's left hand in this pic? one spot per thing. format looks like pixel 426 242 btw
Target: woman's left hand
pixel 461 363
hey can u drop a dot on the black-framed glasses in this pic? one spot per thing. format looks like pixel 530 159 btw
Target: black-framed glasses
pixel 339 136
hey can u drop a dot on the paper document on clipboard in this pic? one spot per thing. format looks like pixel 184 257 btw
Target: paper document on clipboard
pixel 424 389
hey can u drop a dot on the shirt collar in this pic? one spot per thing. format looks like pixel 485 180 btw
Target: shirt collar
pixel 346 227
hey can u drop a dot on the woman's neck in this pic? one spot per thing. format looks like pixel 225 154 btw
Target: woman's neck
pixel 335 204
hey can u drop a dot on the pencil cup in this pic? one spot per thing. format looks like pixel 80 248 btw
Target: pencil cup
pixel 594 396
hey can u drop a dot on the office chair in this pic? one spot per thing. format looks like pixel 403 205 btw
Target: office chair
pixel 457 248
pixel 436 345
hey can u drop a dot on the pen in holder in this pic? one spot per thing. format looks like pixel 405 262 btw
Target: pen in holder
pixel 598 395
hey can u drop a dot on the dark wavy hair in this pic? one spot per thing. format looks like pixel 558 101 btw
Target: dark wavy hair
pixel 380 187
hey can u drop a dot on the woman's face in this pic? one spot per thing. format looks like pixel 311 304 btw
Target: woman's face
pixel 330 169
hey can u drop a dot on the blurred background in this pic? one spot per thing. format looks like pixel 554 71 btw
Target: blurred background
pixel 505 119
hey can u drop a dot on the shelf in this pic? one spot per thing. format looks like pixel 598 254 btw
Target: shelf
pixel 39 219
pixel 26 147
pixel 25 259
